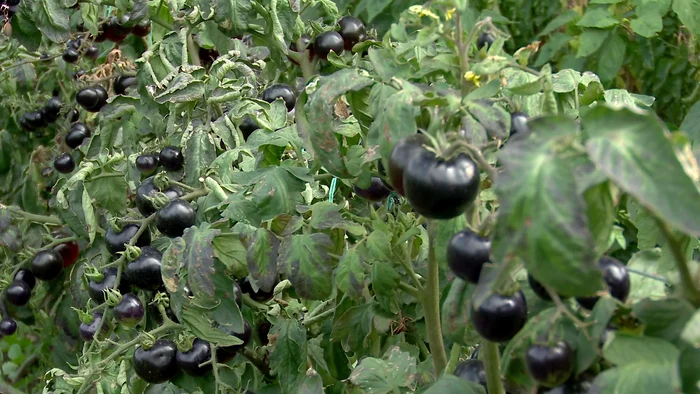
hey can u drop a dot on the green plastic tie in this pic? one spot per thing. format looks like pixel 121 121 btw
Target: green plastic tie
pixel 331 193
pixel 390 201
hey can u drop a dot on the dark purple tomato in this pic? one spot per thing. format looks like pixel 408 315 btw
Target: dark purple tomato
pixel 282 91
pixel 92 98
pixel 518 123
pixel 174 218
pixel 377 191
pixel 115 31
pixel 116 241
pixel 77 134
pixel 27 277
pixel 96 289
pixel 538 288
pixel 352 30
pixel 70 55
pixel 157 364
pixel 467 253
pixel 8 326
pixel 472 370
pixel 52 109
pixel 75 44
pixel 88 331
pixel 74 115
pixel 550 365
pixel 47 265
pixel 122 82
pixel 144 272
pixel 69 251
pixel 500 316
pixel 18 293
pixel 147 188
pixel 438 188
pixel 401 154
pixel 264 332
pixel 129 311
pixel 65 164
pixel 616 277
pixel 35 119
pixel 248 126
pixel 485 39
pixel 259 296
pixel 147 163
pixel 327 42
pixel 227 353
pixel 171 158
pixel 142 29
pixel 92 53
pixel 191 360
pixel 237 294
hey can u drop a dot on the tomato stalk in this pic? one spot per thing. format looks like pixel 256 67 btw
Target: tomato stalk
pixel 431 305
pixel 454 358
pixel 34 217
pixel 681 263
pixel 493 371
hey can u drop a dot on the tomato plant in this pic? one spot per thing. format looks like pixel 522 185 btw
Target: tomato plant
pixel 316 196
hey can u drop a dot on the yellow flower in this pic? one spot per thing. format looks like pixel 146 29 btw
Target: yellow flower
pixel 473 78
pixel 422 11
pixel 449 13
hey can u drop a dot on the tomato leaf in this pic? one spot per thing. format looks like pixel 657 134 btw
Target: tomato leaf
pixel 450 384
pixel 350 274
pixel 627 349
pixel 199 154
pixel 455 313
pixel 397 369
pixel 664 319
pixel 289 354
pixel 198 259
pixel 307 263
pixel 262 259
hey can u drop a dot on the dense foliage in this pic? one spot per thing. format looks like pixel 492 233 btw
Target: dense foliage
pixel 274 196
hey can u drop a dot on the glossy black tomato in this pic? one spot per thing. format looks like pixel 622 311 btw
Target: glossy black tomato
pixel 227 353
pixel 117 31
pixel 171 158
pixel 70 55
pixel 129 311
pixel 122 82
pixel 263 329
pixel 280 91
pixel 352 30
pixel 8 326
pixel 147 189
pixel 237 294
pixel 92 98
pixel 47 265
pixel 191 360
pixel 500 316
pixel 248 126
pixel 69 251
pixel 34 119
pixel 327 42
pixel 116 241
pixel 174 218
pixel 467 252
pixel 142 29
pixel 18 293
pixel 440 189
pixel 147 163
pixel 485 39
pixel 401 154
pixel 616 277
pixel 92 53
pixel 472 370
pixel 75 44
pixel 65 164
pixel 157 364
pixel 78 74
pixel 52 109
pixel 73 115
pixel 96 289
pixel 376 191
pixel 27 277
pixel 259 296
pixel 88 330
pixel 144 272
pixel 550 365
pixel 518 123
pixel 538 288
pixel 77 134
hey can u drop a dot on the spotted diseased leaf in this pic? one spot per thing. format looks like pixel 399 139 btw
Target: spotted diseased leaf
pixel 262 259
pixel 350 275
pixel 494 118
pixel 232 15
pixel 289 354
pixel 308 264
pixel 382 376
pixel 199 260
pixel 199 154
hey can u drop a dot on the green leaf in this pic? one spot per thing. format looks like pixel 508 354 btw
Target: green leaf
pixel 691 123
pixel 665 318
pixel 600 209
pixel 632 149
pixel 262 259
pixel 23 28
pixel 383 376
pixel 308 264
pixel 90 221
pixel 691 332
pixel 52 19
pixel 312 383
pixel 561 20
pixel 556 43
pixel 587 349
pixel 325 215
pixel 350 276
pixel 688 368
pixel 590 41
pixel 276 190
pixel 182 89
pixel 199 154
pixel 565 81
pixel 611 58
pixel 642 287
pixel 455 312
pixel 379 246
pixel 628 349
pixel 385 279
pixel 645 377
pixel 289 354
pixel 192 318
pixel 108 191
pixel 450 384
pixel 648 231
pixel 199 261
pixel 648 24
pixel 232 15
pixel 542 218
pixel 689 13
pixel 597 17
pixel 229 249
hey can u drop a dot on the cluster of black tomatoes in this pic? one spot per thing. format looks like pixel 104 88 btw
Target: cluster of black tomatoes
pixel 351 31
pixel 116 29
pixel 44 116
pixel 74 48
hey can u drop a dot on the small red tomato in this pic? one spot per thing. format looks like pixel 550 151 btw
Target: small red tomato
pixel 69 251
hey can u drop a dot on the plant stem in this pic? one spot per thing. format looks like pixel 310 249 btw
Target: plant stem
pixel 454 358
pixel 431 306
pixel 493 371
pixel 59 241
pixel 33 217
pixel 195 194
pixel 410 290
pixel 320 316
pixel 259 364
pixel 182 185
pixel 681 263
pixel 463 55
pixel 192 49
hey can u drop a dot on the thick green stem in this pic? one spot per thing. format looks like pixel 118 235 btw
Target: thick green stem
pixel 410 290
pixel 35 218
pixel 431 306
pixel 493 369
pixel 320 316
pixel 681 263
pixel 454 358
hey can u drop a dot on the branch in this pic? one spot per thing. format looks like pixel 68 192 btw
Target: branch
pixel 681 263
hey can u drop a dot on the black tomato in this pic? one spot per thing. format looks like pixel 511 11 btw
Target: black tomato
pixel 70 55
pixel 147 163
pixel 96 290
pixel 472 370
pixel 88 331
pixel 47 265
pixel 401 154
pixel 115 30
pixel 377 191
pixel 264 332
pixel 229 352
pixel 191 360
pixel 440 189
pixel 280 91
pixel 518 123
pixel 75 44
pixel 142 29
pixel 327 42
pixel 77 134
pixel 122 82
pixel 18 293
pixel 35 119
pixel 69 251
pixel 78 74
pixel 144 272
pixel 500 317
pixel 237 294
pixel 157 364
pixel 538 288
pixel 147 189
pixel 27 277
pixel 129 311
pixel 73 114
pixel 550 365
pixel 116 241
pixel 248 126
pixel 306 44
pixel 52 109
pixel 259 296
pixel 616 277
pixel 174 218
pixel 92 98
pixel 8 326
pixel 171 158
pixel 352 30
pixel 93 52
pixel 64 163
pixel 485 39
pixel 467 253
